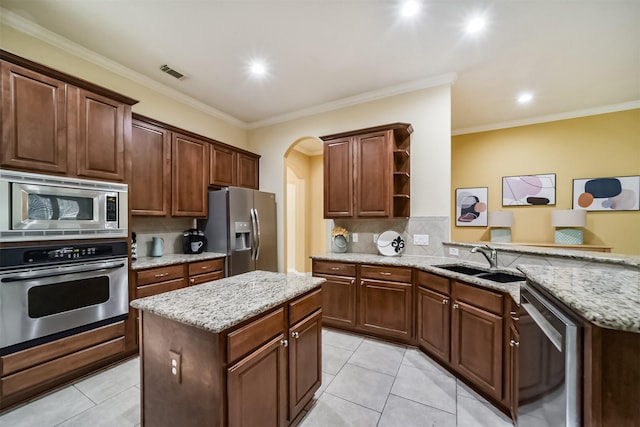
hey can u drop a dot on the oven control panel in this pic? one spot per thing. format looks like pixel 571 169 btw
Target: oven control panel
pixel 53 254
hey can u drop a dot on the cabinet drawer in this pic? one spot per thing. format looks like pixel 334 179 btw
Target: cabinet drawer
pixel 335 268
pixel 158 288
pixel 204 278
pixel 481 298
pixel 378 272
pixel 48 371
pixel 206 266
pixel 159 274
pixel 43 353
pixel 301 307
pixel 433 282
pixel 255 334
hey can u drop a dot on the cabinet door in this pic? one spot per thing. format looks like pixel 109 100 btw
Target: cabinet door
pixel 373 175
pixel 514 344
pixel 257 387
pixel 248 173
pixel 386 308
pixel 338 178
pixel 101 133
pixel 223 166
pixel 434 323
pixel 476 346
pixel 189 176
pixel 150 181
pixel 305 362
pixel 34 120
pixel 339 301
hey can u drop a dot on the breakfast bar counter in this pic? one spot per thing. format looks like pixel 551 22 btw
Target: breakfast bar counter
pixel 244 350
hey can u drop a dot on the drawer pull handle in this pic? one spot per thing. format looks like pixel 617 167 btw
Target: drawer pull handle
pixel 515 318
pixel 513 343
pixel 295 335
pixel 455 305
pixel 335 268
pixel 205 267
pixel 384 273
pixel 161 274
pixel 284 343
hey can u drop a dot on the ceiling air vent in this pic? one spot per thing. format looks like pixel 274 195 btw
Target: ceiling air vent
pixel 171 71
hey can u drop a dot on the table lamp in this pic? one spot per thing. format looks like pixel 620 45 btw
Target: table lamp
pixel 500 223
pixel 567 224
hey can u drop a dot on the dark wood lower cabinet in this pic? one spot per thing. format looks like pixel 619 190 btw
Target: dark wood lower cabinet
pixel 257 387
pixel 339 301
pixel 305 362
pixel 386 308
pixel 434 323
pixel 476 347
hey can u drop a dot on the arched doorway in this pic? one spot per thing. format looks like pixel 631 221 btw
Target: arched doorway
pixel 304 225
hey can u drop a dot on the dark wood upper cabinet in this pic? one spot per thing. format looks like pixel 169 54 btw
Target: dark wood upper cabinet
pixel 367 173
pixel 34 120
pixel 248 172
pixel 223 166
pixel 231 167
pixel 101 134
pixel 150 182
pixel 189 176
pixel 53 122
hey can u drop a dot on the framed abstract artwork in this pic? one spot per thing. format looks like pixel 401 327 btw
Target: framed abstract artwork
pixel 529 190
pixel 620 193
pixel 471 207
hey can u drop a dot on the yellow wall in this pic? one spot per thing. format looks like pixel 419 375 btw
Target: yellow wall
pixel 151 103
pixel 318 239
pixel 587 147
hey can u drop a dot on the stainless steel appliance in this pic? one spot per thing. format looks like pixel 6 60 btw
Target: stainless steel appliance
pixel 194 241
pixel 549 371
pixel 48 292
pixel 242 225
pixel 45 207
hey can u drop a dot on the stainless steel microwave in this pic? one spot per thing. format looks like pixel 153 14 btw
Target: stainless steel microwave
pixel 45 207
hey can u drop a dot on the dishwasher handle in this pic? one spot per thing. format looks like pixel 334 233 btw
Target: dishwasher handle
pixel 549 330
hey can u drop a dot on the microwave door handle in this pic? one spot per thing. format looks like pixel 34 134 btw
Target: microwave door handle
pixel 60 271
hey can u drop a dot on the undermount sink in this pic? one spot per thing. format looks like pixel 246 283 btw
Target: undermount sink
pixel 462 269
pixel 494 276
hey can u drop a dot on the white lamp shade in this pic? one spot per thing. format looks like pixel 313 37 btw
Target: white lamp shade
pixel 569 218
pixel 500 219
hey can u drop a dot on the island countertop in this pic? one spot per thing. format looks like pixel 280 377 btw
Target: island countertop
pixel 218 305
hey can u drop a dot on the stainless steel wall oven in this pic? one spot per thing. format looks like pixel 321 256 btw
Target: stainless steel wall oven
pixel 48 292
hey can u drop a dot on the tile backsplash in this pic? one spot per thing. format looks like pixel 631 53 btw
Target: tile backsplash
pixel 169 229
pixel 437 228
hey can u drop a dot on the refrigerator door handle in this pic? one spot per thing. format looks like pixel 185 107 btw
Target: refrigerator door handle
pixel 259 239
pixel 255 232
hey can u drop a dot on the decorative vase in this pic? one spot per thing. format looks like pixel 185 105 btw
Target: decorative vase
pixel 339 244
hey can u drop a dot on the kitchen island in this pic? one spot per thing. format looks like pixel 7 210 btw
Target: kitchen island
pixel 244 350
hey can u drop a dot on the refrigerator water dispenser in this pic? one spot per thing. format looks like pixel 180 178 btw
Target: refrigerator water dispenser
pixel 243 235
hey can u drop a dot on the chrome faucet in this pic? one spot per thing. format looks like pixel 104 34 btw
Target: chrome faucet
pixel 492 257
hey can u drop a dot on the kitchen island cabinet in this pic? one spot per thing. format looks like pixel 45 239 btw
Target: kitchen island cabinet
pixel 221 353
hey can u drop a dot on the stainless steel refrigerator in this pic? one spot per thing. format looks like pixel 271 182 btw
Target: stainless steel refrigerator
pixel 242 224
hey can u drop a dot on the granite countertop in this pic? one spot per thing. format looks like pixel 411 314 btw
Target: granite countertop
pixel 429 264
pixel 606 298
pixel 171 259
pixel 218 305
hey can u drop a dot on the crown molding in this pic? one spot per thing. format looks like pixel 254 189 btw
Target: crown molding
pixel 28 27
pixel 440 80
pixel 549 118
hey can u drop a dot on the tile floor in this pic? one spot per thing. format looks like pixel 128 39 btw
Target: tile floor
pixel 365 382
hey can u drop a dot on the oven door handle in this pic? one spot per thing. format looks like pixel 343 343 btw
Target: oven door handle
pixel 51 272
pixel 552 333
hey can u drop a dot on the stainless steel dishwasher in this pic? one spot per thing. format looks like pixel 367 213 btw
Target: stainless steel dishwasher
pixel 550 368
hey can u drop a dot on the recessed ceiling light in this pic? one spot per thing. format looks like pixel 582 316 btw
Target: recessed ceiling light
pixel 258 69
pixel 475 25
pixel 410 8
pixel 525 98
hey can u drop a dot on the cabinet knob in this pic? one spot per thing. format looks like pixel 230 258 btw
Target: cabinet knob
pixel 284 343
pixel 445 301
pixel 513 343
pixel 193 281
pixel 295 334
pixel 353 281
pixel 455 305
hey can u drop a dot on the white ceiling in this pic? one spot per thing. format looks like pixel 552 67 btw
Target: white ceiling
pixel 572 55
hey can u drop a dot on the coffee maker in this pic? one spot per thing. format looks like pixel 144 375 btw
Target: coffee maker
pixel 194 241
